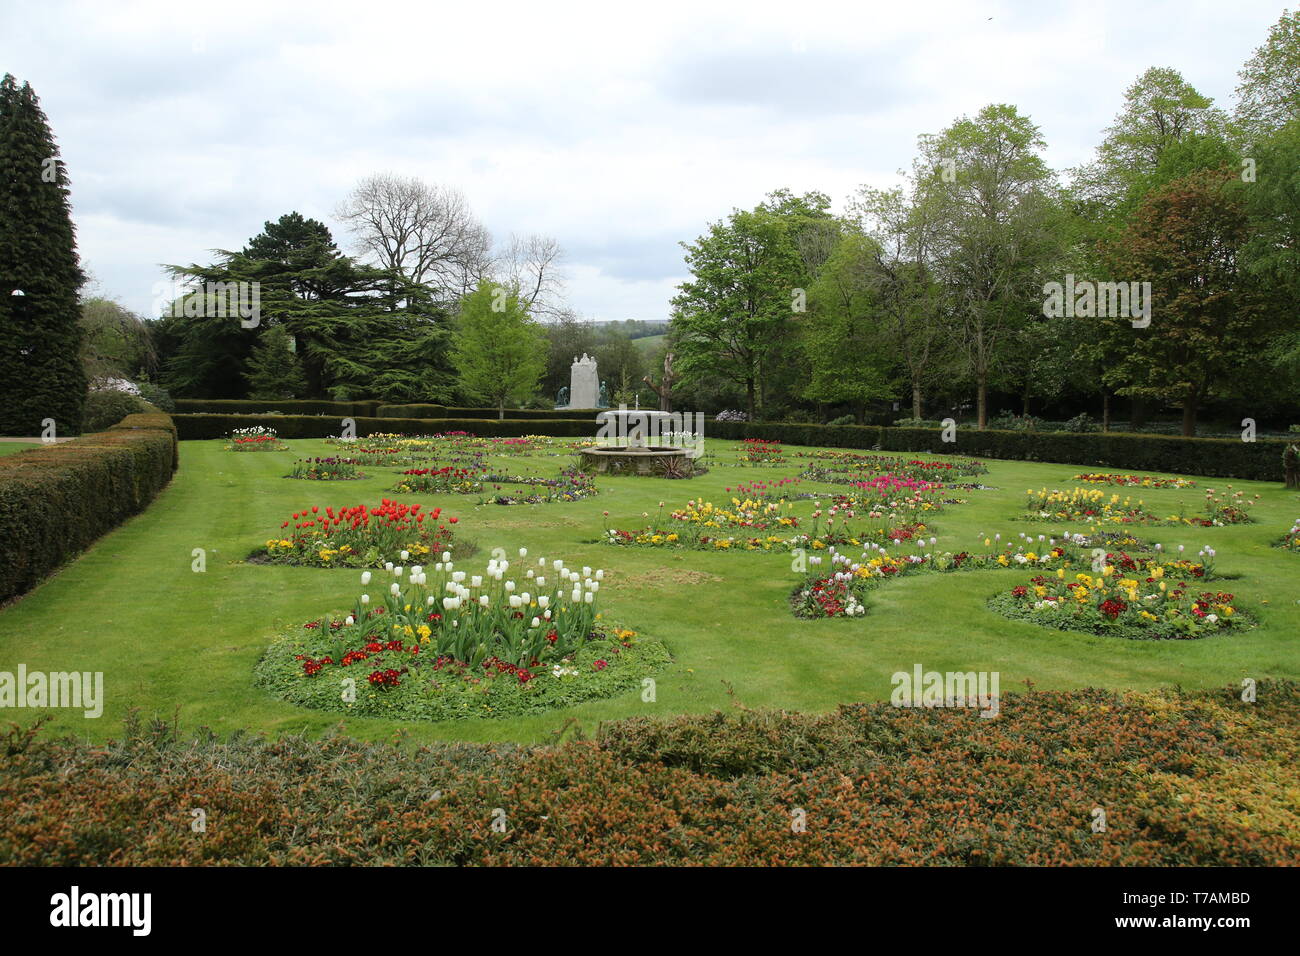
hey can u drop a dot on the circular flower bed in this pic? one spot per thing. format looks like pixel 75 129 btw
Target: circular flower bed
pixel 440 644
pixel 1139 481
pixel 326 469
pixel 256 438
pixel 1149 601
pixel 360 537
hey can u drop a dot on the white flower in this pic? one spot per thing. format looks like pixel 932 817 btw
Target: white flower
pixel 483 600
pixel 541 582
pixel 365 578
pixel 458 576
pixel 429 601
pixel 397 571
pixel 446 556
pixel 576 596
pixel 509 586
pixel 365 599
pixel 396 588
pixel 600 574
pixel 350 620
pixel 476 581
pixel 523 552
pixel 1212 618
pixel 589 597
pixel 388 565
pixel 535 623
pixel 543 601
pixel 404 555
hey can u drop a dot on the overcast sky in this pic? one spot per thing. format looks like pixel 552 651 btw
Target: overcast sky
pixel 621 129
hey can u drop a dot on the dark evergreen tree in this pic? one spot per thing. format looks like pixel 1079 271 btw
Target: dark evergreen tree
pixel 41 375
pixel 273 369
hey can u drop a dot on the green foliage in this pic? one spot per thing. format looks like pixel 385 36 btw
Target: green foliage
pixel 41 376
pixel 56 500
pixel 107 407
pixel 1268 96
pixel 157 396
pixel 274 372
pixel 499 352
pixel 203 426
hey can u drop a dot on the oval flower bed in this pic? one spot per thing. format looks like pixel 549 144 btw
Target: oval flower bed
pixel 256 438
pixel 1097 507
pixel 570 485
pixel 326 469
pixel 844 466
pixel 1139 481
pixel 1151 603
pixel 359 537
pixel 841 591
pixel 1291 540
pixel 442 644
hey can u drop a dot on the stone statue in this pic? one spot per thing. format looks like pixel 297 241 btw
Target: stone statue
pixel 584 383
pixel 604 396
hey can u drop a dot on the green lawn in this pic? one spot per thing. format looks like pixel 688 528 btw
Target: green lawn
pixel 168 638
pixel 13 447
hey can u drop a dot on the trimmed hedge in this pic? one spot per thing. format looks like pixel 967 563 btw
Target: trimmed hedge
pixel 243 406
pixel 56 500
pixel 367 409
pixel 315 426
pixel 448 411
pixel 1214 457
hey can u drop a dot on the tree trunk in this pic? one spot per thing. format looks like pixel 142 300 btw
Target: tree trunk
pixel 916 398
pixel 1105 411
pixel 749 397
pixel 1138 416
pixel 1189 413
pixel 982 401
pixel 501 410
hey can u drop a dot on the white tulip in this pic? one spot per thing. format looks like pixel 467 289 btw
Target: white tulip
pixel 388 565
pixel 458 576
pixel 541 582
pixel 600 574
pixel 523 552
pixel 429 601
pixel 535 623
pixel 589 597
pixel 397 571
pixel 483 600
pixel 396 588
pixel 515 601
pixel 365 599
pixel 546 614
pixel 510 585
pixel 404 555
pixel 365 578
pixel 476 581
pixel 543 601
pixel 350 620
pixel 446 556
pixel 586 572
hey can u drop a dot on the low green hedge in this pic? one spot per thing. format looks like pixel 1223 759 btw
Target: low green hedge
pixel 56 500
pixel 448 411
pixel 315 426
pixel 1214 457
pixel 246 406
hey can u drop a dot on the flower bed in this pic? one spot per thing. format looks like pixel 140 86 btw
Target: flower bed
pixel 326 469
pixel 1291 540
pixel 442 644
pixel 761 452
pixel 360 537
pixel 1138 481
pixel 825 593
pixel 854 465
pixel 1152 603
pixel 569 485
pixel 1092 505
pixel 257 438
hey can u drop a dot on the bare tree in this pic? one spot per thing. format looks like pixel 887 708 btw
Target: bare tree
pixel 426 232
pixel 532 263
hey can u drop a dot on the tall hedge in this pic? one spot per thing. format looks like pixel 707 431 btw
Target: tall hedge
pixel 57 499
pixel 41 376
pixel 318 426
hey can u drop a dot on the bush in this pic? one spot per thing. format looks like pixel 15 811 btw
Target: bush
pixel 1213 789
pixel 108 407
pixel 56 500
pixel 447 411
pixel 157 396
pixel 843 420
pixel 304 406
pixel 317 426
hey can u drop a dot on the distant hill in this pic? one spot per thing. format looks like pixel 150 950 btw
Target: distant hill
pixel 649 344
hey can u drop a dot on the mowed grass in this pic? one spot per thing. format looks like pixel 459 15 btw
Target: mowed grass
pixel 13 447
pixel 171 639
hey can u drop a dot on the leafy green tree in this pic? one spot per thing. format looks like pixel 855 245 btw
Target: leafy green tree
pixel 997 230
pixel 41 375
pixel 499 350
pixel 845 337
pixel 1268 96
pixel 116 343
pixel 273 369
pixel 729 317
pixel 1209 318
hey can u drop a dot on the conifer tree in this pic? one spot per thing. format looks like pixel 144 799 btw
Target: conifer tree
pixel 274 372
pixel 41 375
